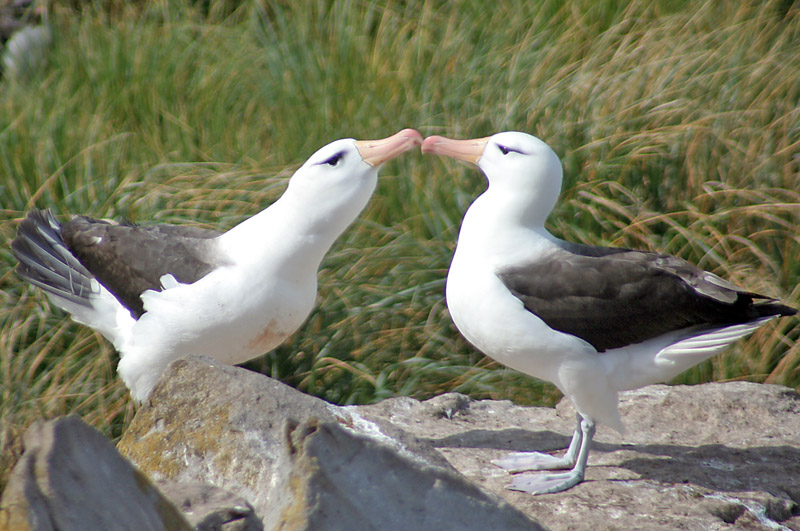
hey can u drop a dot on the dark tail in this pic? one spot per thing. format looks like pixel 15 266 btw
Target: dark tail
pixel 45 261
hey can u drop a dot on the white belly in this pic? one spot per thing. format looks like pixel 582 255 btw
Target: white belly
pixel 216 317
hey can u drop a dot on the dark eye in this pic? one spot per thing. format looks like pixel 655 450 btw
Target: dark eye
pixel 504 150
pixel 334 160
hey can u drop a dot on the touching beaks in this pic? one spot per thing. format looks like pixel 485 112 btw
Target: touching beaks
pixel 376 152
pixel 467 150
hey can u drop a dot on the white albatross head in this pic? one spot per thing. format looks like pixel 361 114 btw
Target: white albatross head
pixel 336 182
pixel 524 173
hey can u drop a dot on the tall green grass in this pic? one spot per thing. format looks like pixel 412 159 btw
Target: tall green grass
pixel 677 123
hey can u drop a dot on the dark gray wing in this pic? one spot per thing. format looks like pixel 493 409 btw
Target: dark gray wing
pixel 129 259
pixel 613 297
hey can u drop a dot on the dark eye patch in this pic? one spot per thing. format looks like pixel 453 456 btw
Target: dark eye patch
pixel 506 150
pixel 334 159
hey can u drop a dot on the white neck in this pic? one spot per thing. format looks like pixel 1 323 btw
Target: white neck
pixel 494 227
pixel 294 232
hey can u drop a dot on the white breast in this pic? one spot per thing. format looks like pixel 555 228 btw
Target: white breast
pixel 497 323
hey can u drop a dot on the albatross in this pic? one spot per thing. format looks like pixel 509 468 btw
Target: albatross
pixel 592 320
pixel 162 292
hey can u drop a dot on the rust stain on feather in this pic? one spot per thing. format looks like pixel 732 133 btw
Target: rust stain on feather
pixel 270 337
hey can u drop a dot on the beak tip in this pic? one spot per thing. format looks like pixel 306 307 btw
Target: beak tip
pixel 413 135
pixel 376 152
pixel 429 144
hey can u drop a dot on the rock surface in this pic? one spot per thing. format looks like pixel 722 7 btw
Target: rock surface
pixel 714 456
pixel 302 463
pixel 72 478
pixel 210 508
pixel 338 481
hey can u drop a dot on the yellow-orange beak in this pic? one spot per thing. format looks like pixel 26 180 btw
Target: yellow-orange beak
pixel 376 152
pixel 466 150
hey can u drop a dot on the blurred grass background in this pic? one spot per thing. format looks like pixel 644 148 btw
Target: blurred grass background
pixel 678 123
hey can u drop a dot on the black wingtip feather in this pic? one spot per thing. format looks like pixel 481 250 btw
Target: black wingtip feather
pixel 773 308
pixel 45 261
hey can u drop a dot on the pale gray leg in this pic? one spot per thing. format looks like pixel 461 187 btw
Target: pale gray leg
pixel 525 461
pixel 547 483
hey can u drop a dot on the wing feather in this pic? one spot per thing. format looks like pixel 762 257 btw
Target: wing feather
pixel 130 259
pixel 613 297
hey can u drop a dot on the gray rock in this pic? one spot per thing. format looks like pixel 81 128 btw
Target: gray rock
pixel 210 508
pixel 25 37
pixel 26 51
pixel 713 456
pixel 211 423
pixel 337 480
pixel 71 478
pixel 236 429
